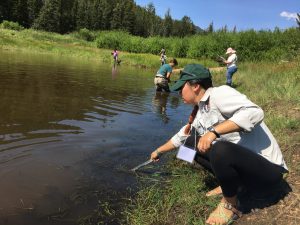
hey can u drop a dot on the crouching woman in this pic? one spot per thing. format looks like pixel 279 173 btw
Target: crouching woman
pixel 232 141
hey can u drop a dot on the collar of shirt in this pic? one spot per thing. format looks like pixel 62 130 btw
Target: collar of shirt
pixel 203 104
pixel 205 96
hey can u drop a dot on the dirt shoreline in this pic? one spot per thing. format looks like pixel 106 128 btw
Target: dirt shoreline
pixel 284 212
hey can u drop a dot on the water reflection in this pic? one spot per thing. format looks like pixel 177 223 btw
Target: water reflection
pixel 65 125
pixel 114 71
pixel 159 101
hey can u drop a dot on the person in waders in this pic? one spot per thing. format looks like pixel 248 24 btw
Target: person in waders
pixel 225 134
pixel 231 65
pixel 163 75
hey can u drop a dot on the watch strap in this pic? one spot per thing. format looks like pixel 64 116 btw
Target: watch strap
pixel 216 133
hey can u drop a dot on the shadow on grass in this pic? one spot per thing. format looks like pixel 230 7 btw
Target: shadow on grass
pixel 251 201
pixel 236 85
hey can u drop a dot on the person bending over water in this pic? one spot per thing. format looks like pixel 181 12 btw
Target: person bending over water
pixel 163 75
pixel 233 142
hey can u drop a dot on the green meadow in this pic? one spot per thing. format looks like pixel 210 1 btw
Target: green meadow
pixel 180 197
pixel 75 45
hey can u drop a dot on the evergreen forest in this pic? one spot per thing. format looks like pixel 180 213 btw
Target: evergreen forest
pixel 65 16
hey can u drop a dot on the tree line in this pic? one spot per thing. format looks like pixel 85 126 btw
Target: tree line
pixel 64 16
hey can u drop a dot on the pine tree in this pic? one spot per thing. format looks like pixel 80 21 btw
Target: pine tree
pixel 116 21
pixel 66 22
pixel 210 28
pixel 152 28
pixel 96 20
pixel 168 24
pixel 234 29
pixel 82 16
pixel 128 16
pixel 150 8
pixel 5 10
pixel 49 17
pixel 140 20
pixel 34 7
pixel 20 12
pixel 187 26
pixel 176 28
pixel 106 14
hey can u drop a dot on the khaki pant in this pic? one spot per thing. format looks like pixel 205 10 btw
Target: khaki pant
pixel 161 84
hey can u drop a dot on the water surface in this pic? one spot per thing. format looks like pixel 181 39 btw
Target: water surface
pixel 69 132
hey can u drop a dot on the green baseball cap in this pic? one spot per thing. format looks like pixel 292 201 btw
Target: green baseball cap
pixel 191 72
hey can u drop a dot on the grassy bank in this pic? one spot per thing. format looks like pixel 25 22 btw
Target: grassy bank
pixel 71 45
pixel 180 199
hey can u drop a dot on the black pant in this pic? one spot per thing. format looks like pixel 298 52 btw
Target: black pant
pixel 234 165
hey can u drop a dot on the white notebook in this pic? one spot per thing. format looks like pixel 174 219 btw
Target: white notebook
pixel 186 154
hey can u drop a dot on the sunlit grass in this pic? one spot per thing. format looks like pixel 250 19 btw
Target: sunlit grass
pixel 180 197
pixel 273 86
pixel 181 201
pixel 70 45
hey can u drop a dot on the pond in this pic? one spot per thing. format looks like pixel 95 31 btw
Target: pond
pixel 71 130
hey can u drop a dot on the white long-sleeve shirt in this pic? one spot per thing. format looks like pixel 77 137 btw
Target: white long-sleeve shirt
pixel 226 103
pixel 232 59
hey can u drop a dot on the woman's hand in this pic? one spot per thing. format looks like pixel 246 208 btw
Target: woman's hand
pixel 155 155
pixel 205 141
pixel 168 146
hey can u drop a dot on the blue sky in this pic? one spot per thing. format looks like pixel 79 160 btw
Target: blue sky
pixel 244 14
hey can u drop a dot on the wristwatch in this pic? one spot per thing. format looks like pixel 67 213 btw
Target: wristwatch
pixel 212 129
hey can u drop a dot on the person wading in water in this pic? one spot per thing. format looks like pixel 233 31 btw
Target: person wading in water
pixel 163 75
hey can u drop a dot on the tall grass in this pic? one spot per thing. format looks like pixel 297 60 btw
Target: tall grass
pixel 251 45
pixel 81 44
pixel 275 86
pixel 180 199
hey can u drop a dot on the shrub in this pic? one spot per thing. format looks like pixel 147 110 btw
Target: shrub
pixel 275 54
pixel 11 25
pixel 85 34
pixel 180 47
pixel 133 44
pixel 251 45
pixel 111 39
pixel 197 48
pixel 153 45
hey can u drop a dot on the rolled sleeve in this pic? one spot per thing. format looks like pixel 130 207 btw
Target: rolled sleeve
pixel 247 118
pixel 179 138
pixel 238 108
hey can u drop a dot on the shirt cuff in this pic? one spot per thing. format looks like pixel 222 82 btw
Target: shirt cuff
pixel 179 138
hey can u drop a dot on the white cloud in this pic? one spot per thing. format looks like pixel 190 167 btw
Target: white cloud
pixel 288 15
